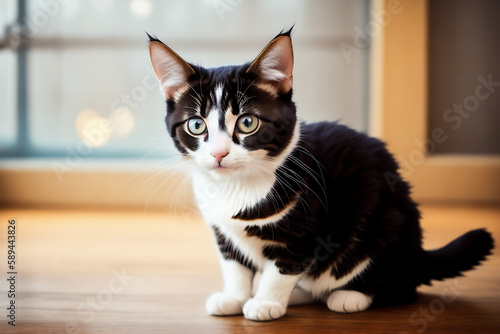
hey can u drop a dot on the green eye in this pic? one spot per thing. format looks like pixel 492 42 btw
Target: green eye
pixel 196 126
pixel 247 123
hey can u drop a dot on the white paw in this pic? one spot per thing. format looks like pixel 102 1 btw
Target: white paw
pixel 348 301
pixel 221 304
pixel 263 310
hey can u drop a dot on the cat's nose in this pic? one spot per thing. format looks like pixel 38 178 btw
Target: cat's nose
pixel 219 155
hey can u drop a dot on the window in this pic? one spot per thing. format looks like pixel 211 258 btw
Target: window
pixel 8 82
pixel 86 84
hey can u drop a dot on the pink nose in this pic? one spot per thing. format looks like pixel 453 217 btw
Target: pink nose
pixel 219 155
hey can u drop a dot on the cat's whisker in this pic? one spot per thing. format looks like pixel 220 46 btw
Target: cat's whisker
pixel 238 92
pixel 273 191
pixel 303 202
pixel 285 183
pixel 303 184
pixel 305 167
pixel 197 94
pixel 244 101
pixel 192 109
pixel 184 174
pixel 181 189
pixel 175 174
pixel 163 161
pixel 250 85
pixel 321 167
pixel 195 100
pixel 300 180
pixel 154 191
pixel 184 184
pixel 243 98
pixel 201 78
pixel 161 172
pixel 153 151
pixel 273 195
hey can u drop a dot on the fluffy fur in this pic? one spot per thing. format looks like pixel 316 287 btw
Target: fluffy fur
pixel 306 206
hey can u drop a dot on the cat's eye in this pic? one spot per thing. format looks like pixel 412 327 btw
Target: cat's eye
pixel 196 126
pixel 247 123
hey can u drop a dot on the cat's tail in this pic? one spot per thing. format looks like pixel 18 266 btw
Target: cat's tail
pixel 462 254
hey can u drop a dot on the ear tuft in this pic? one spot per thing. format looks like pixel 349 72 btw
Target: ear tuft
pixel 151 38
pixel 274 66
pixel 170 69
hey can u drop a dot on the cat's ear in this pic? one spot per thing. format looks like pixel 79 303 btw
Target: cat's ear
pixel 170 69
pixel 274 66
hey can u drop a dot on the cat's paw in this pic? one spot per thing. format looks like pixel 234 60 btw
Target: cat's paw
pixel 221 304
pixel 348 301
pixel 263 310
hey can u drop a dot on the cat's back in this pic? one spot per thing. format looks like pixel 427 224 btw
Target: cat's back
pixel 343 151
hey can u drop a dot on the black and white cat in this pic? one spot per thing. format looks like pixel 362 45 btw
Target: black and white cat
pixel 307 206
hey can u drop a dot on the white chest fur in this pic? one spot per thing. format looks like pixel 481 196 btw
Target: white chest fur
pixel 219 201
pixel 222 199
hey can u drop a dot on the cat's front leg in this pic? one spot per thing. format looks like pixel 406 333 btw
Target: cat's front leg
pixel 272 295
pixel 237 289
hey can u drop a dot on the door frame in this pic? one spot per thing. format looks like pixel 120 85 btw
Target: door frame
pixel 399 108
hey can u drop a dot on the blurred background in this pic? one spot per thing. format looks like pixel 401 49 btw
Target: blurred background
pixel 82 119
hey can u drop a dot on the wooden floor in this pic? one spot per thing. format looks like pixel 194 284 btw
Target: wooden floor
pixel 135 272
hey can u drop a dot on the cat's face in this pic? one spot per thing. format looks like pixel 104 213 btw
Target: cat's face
pixel 230 120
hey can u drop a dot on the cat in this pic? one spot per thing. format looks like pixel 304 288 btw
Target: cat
pixel 306 206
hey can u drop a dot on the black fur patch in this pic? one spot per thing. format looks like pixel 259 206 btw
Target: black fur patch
pixel 229 251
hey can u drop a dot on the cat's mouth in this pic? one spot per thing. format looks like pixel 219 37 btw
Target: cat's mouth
pixel 222 168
